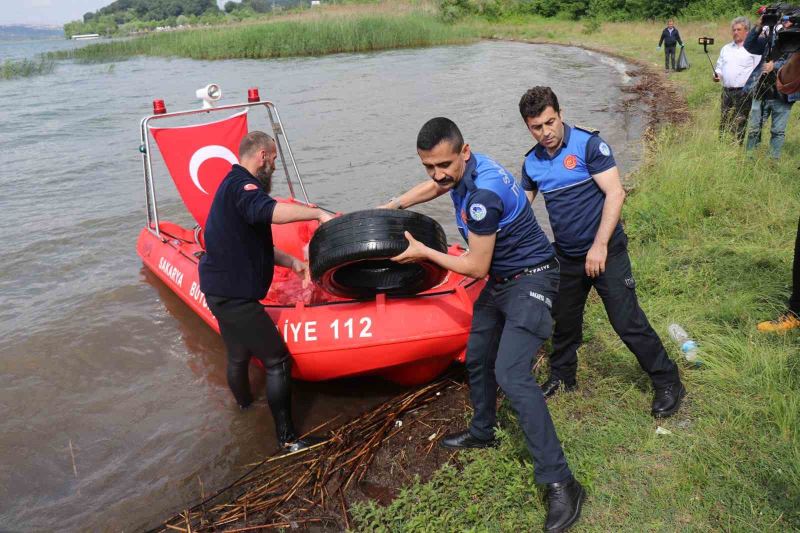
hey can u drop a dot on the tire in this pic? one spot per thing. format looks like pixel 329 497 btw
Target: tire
pixel 350 254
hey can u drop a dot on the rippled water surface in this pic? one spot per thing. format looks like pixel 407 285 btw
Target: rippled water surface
pixel 112 393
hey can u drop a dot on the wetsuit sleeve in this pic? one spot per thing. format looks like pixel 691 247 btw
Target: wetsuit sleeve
pixel 527 183
pixel 484 211
pixel 663 34
pixel 599 157
pixel 255 205
pixel 678 37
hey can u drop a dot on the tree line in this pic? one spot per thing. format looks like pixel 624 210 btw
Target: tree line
pixel 123 17
pixel 614 10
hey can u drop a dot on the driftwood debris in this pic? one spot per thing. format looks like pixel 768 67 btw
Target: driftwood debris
pixel 308 488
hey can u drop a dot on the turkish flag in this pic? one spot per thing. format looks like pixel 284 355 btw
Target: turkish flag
pixel 199 157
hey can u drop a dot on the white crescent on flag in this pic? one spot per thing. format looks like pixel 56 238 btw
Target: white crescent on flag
pixel 205 153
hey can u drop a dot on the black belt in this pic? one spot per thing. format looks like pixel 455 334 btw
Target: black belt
pixel 528 271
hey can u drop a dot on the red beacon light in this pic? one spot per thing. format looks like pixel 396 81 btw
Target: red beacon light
pixel 159 108
pixel 252 95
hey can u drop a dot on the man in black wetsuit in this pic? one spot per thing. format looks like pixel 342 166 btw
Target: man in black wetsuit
pixel 236 272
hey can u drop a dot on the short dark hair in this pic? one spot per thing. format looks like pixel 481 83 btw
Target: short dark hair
pixel 437 130
pixel 536 100
pixel 255 140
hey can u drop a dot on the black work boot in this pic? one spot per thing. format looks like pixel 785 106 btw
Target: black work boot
pixel 287 438
pixel 465 439
pixel 667 400
pixel 565 499
pixel 279 397
pixel 554 384
pixel 295 445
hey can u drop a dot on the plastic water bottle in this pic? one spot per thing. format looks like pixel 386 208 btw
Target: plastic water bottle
pixel 688 346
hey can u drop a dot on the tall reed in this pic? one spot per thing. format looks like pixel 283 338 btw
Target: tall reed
pixel 24 68
pixel 327 35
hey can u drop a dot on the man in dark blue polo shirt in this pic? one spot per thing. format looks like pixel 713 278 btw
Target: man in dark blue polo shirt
pixel 236 272
pixel 575 171
pixel 511 317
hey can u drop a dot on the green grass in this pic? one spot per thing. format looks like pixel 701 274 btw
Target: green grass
pixel 711 234
pixel 284 38
pixel 24 68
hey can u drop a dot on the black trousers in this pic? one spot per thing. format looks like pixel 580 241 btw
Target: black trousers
pixel 510 322
pixel 616 287
pixel 736 105
pixel 794 299
pixel 669 56
pixel 248 331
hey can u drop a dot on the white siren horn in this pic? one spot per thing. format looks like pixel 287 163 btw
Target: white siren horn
pixel 209 94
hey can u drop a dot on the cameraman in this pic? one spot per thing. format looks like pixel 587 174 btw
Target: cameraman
pixel 762 84
pixel 788 83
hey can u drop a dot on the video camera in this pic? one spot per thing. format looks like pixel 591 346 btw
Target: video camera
pixel 788 39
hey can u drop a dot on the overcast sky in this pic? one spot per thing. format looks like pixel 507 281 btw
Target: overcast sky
pixel 48 11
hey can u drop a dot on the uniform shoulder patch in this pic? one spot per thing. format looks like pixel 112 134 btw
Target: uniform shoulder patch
pixel 604 149
pixel 587 129
pixel 477 212
pixel 250 187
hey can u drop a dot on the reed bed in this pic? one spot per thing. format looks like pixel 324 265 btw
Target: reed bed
pixel 285 38
pixel 308 487
pixel 25 68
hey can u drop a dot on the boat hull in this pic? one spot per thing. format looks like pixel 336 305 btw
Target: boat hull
pixel 408 340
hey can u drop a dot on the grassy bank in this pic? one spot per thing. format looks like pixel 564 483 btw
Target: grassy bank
pixel 24 68
pixel 711 233
pixel 357 32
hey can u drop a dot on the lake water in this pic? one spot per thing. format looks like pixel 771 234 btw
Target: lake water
pixel 113 397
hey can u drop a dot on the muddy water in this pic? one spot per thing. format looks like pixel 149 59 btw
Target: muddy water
pixel 114 406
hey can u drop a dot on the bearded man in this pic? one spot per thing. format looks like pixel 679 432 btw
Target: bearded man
pixel 236 272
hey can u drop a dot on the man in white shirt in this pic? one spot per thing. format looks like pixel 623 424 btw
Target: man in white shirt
pixel 734 66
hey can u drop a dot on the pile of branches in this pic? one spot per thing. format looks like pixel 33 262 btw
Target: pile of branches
pixel 666 104
pixel 306 488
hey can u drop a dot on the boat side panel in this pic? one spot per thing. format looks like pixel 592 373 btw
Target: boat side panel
pixel 403 339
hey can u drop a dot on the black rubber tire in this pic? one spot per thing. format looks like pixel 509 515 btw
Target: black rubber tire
pixel 350 254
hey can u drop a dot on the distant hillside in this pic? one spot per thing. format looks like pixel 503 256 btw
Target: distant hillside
pixel 25 31
pixel 125 17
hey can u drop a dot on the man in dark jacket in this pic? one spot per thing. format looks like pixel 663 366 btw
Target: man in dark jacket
pixel 670 37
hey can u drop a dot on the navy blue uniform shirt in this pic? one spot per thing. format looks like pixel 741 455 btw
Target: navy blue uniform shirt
pixel 488 200
pixel 574 200
pixel 239 257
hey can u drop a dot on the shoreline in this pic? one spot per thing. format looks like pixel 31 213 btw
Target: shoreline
pixel 651 85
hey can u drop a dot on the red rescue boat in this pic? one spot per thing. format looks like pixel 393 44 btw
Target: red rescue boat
pixel 408 340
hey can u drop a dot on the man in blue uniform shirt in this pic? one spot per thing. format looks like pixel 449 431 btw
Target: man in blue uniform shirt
pixel 236 272
pixel 575 171
pixel 512 315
